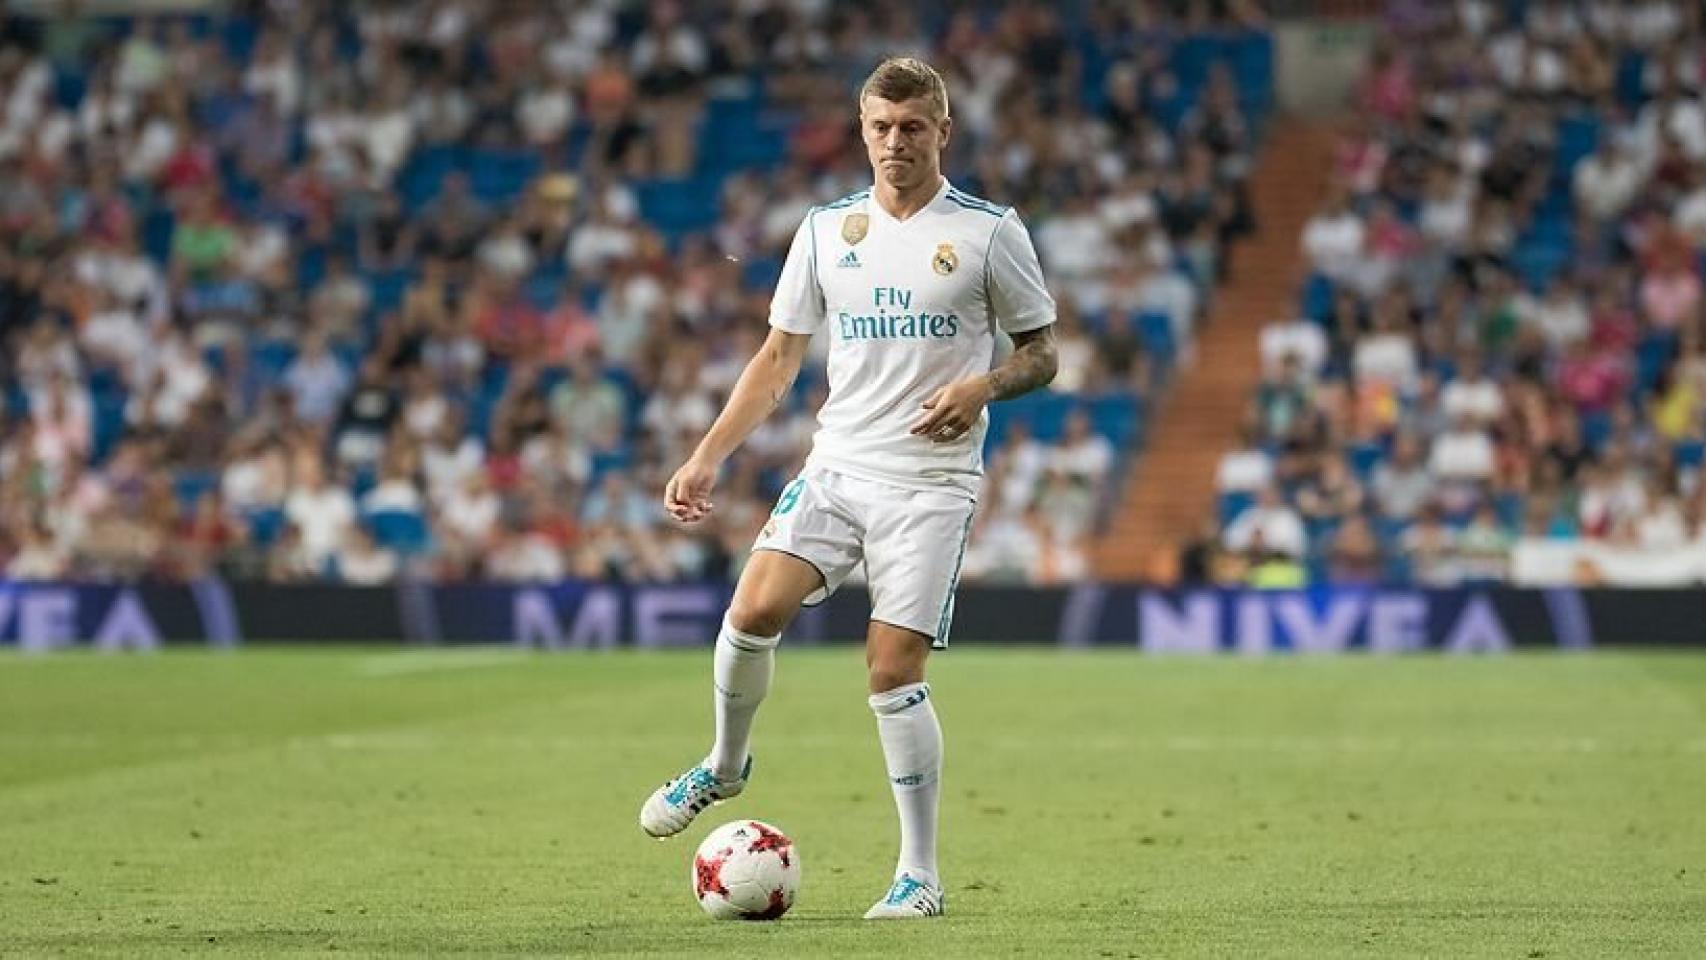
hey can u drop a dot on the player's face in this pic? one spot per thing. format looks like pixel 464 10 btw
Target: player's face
pixel 904 140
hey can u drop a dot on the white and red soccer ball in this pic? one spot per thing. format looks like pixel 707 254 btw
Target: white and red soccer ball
pixel 746 870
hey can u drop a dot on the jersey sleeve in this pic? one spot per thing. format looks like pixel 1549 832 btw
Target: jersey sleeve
pixel 797 306
pixel 1017 294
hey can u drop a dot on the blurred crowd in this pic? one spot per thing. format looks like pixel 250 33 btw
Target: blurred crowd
pixel 445 289
pixel 1499 350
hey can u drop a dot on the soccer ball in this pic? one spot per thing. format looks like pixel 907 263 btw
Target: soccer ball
pixel 746 870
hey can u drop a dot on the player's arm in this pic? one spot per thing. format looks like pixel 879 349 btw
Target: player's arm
pixel 1033 364
pixel 762 386
pixel 796 312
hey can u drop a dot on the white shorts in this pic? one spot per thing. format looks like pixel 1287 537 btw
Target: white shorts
pixel 910 541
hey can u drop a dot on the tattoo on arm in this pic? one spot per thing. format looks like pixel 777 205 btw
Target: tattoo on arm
pixel 1032 365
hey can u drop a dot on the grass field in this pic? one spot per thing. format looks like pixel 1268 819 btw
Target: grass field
pixel 1094 805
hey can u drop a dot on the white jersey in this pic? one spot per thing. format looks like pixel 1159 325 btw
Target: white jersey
pixel 909 306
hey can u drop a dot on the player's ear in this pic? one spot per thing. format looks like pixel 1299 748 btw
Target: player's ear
pixel 947 129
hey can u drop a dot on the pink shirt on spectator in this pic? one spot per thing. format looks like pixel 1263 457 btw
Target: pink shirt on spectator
pixel 1669 296
pixel 1592 382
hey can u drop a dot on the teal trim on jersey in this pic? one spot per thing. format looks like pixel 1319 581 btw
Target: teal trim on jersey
pixel 945 621
pixel 989 252
pixel 976 203
pixel 980 209
pixel 846 201
pixel 811 228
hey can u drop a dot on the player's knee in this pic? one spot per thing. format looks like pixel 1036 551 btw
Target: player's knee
pixel 888 673
pixel 759 618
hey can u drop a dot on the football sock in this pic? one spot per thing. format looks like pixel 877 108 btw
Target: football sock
pixel 740 673
pixel 912 749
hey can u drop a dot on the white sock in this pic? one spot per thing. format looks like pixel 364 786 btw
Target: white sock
pixel 740 674
pixel 912 749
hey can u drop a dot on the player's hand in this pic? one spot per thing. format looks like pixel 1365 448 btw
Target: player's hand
pixel 952 410
pixel 687 496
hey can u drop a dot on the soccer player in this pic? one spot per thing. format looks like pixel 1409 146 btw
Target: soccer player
pixel 910 280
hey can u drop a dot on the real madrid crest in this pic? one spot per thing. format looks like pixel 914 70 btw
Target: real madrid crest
pixel 854 226
pixel 945 261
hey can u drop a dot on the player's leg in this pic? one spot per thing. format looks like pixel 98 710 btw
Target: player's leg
pixel 913 552
pixel 769 593
pixel 912 752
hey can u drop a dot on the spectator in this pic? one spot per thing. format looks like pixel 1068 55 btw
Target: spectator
pixel 322 515
pixel 1246 468
pixel 1268 526
pixel 362 563
pixel 317 381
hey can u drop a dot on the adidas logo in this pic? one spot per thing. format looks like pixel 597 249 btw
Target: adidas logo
pixel 851 260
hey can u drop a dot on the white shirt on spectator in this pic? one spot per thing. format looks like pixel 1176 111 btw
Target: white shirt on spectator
pixel 1480 399
pixel 594 245
pixel 1606 185
pixel 1088 461
pixel 324 516
pixel 1074 244
pixel 527 558
pixel 392 495
pixel 545 113
pixel 1300 338
pixel 317 385
pixel 1683 119
pixel 1461 455
pixel 471 514
pixel 367 568
pixel 447 470
pixel 1279 527
pixel 1562 320
pixel 1661 527
pixel 1244 471
pixel 1690 216
pixel 1334 244
pixel 1386 357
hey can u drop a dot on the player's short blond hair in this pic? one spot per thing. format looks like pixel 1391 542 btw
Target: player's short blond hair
pixel 899 79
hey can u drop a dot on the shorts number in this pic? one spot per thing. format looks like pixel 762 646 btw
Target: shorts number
pixel 790 496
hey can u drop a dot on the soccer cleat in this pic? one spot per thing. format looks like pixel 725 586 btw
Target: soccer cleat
pixel 673 806
pixel 909 899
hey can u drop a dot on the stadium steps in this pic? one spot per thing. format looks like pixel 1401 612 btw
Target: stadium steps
pixel 1171 491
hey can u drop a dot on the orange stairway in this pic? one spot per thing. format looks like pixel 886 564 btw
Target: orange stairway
pixel 1170 489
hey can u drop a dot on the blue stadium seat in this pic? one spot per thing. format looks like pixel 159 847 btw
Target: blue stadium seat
pixel 1652 355
pixel 387 288
pixel 404 531
pixel 1117 416
pixel 1251 55
pixel 1538 264
pixel 1578 135
pixel 680 206
pixel 265 525
pixel 1229 504
pixel 189 486
pixel 1155 330
pixel 1689 453
pixel 157 227
pixel 499 176
pixel 1316 298
pixel 1364 457
pixel 761 273
pixel 1596 428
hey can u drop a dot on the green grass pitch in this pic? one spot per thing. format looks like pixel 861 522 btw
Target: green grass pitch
pixel 1096 804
